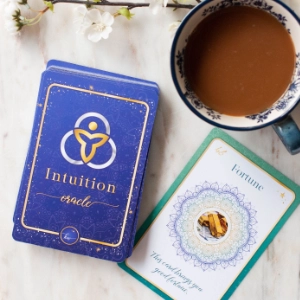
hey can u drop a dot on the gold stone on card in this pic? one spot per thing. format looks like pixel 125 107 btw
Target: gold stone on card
pixel 216 223
pixel 203 221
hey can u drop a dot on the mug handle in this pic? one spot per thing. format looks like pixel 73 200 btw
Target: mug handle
pixel 289 134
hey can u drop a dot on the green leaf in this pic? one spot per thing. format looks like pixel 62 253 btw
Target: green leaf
pixel 124 11
pixel 50 5
pixel 97 1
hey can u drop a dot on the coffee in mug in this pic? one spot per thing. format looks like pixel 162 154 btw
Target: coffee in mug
pixel 239 60
pixel 236 65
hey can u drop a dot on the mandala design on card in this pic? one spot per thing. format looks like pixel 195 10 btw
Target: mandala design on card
pixel 232 224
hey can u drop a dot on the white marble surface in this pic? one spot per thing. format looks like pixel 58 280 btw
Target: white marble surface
pixel 140 48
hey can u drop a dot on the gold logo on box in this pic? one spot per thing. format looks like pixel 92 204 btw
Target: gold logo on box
pixel 98 138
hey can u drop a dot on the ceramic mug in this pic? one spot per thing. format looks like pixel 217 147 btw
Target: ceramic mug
pixel 277 115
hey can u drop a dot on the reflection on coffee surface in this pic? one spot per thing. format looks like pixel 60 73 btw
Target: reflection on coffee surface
pixel 239 60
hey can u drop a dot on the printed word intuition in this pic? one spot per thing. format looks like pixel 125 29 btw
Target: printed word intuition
pixel 80 181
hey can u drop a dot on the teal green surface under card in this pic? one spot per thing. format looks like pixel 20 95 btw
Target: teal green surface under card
pixel 180 257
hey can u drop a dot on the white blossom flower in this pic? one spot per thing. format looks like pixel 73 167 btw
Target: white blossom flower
pixel 81 20
pixel 157 5
pixel 97 26
pixel 101 25
pixel 12 17
pixel 10 8
pixel 11 27
pixel 7 2
pixel 173 27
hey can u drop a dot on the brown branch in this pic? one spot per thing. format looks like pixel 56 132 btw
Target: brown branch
pixel 130 5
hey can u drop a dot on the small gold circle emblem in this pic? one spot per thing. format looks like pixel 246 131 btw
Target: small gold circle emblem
pixel 93 126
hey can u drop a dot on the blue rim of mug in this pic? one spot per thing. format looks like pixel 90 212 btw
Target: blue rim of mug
pixel 189 105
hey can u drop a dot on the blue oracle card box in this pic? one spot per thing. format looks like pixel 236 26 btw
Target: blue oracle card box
pixel 83 176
